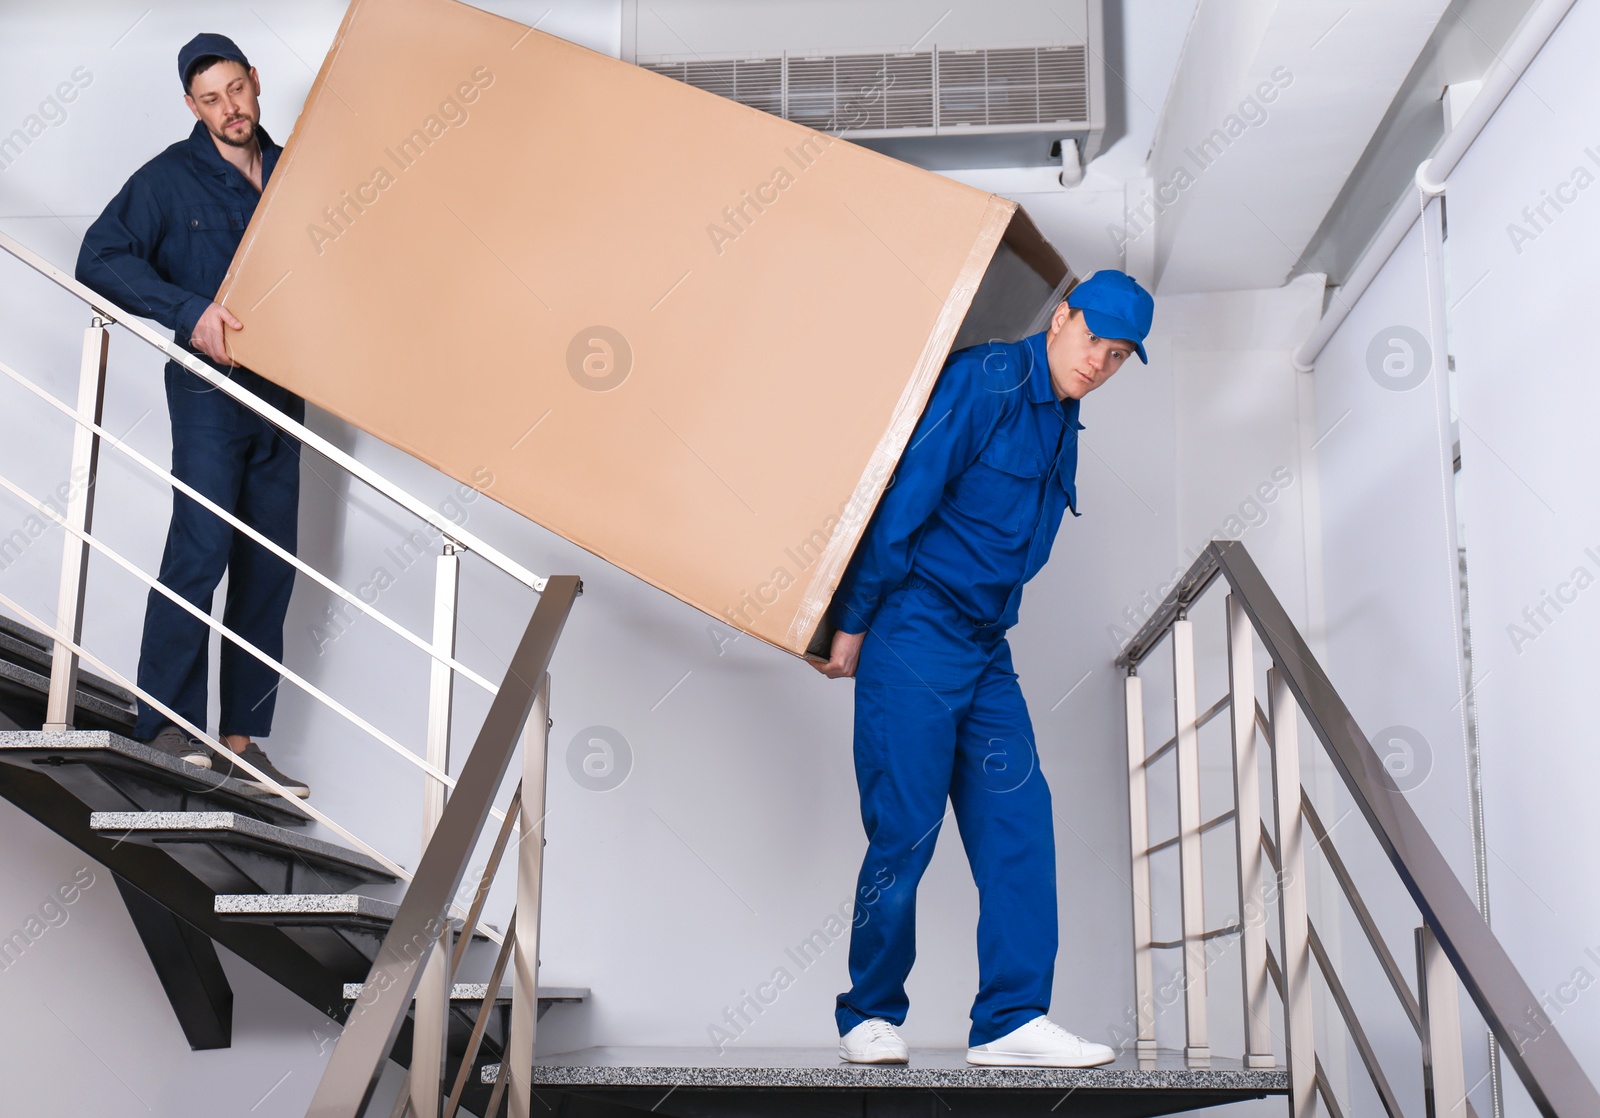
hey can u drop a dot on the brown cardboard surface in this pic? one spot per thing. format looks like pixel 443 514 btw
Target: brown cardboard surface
pixel 686 335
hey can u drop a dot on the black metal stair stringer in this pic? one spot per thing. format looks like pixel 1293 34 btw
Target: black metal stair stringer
pixel 150 873
pixel 160 879
pixel 186 963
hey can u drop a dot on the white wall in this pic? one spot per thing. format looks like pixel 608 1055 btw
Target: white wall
pixel 1518 295
pixel 1522 327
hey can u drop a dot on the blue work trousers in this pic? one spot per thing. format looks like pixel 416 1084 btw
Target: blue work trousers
pixel 939 715
pixel 247 466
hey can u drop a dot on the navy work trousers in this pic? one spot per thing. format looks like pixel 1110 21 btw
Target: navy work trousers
pixel 939 715
pixel 247 466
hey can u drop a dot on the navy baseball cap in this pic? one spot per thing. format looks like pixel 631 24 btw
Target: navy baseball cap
pixel 206 45
pixel 1115 306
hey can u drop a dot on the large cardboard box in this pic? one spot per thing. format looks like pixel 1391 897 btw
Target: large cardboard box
pixel 686 335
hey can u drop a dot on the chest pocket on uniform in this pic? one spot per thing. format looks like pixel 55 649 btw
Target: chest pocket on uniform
pixel 214 219
pixel 1002 487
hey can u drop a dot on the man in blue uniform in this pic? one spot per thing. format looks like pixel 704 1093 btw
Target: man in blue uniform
pixel 161 250
pixel 922 614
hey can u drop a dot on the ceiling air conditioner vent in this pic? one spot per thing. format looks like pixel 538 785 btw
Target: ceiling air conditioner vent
pixel 939 107
pixel 1033 85
pixel 885 94
pixel 861 92
pixel 757 82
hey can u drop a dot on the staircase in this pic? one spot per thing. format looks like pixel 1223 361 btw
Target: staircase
pixel 201 860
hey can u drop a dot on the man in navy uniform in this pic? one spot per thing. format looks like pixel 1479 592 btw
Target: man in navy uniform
pixel 161 250
pixel 922 614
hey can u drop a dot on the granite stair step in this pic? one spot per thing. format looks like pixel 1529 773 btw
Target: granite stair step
pixel 233 853
pixel 343 931
pixel 109 772
pixel 474 991
pixel 25 656
pixel 732 1081
pixel 467 997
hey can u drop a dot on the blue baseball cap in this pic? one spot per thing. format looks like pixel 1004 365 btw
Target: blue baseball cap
pixel 1115 306
pixel 207 45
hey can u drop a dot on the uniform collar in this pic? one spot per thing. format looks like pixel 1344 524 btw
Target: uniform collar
pixel 203 150
pixel 1036 355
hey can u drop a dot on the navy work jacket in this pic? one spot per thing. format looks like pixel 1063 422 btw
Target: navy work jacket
pixel 980 491
pixel 164 243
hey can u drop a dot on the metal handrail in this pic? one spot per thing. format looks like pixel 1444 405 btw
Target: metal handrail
pixel 174 352
pixel 1369 926
pixel 1323 1085
pixel 66 642
pixel 1214 933
pixel 451 828
pixel 452 533
pixel 507 817
pixel 1547 1068
pixel 480 1025
pixel 1322 837
pixel 199 734
pixel 238 525
pixel 200 615
pixel 1205 717
pixel 1209 825
pixel 1358 1035
pixel 1174 607
pixel 212 622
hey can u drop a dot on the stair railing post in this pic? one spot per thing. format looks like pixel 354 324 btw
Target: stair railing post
pixel 431 1017
pixel 369 1032
pixel 1190 865
pixel 1444 1073
pixel 441 681
pixel 62 700
pixel 1298 1009
pixel 530 880
pixel 1139 843
pixel 1247 833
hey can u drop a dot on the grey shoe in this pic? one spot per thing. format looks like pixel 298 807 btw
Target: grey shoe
pixel 178 745
pixel 254 754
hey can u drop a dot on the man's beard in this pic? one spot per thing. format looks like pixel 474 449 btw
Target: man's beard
pixel 247 138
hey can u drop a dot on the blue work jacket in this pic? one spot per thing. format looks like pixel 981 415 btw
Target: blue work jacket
pixel 164 243
pixel 979 493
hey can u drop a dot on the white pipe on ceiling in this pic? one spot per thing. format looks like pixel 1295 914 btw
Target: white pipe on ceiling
pixel 1432 173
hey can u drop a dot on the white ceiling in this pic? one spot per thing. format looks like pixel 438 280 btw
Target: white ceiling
pixel 1243 219
pixel 1241 216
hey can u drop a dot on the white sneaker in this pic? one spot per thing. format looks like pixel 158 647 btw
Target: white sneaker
pixel 874 1041
pixel 1041 1043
